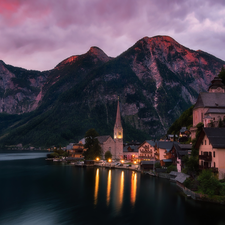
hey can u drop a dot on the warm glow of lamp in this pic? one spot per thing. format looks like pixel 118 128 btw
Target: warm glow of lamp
pixel 122 161
pixel 135 162
pixel 110 160
pixel 97 159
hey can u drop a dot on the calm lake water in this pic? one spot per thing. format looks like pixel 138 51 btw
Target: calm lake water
pixel 36 192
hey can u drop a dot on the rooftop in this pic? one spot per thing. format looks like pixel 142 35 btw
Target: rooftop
pixel 216 136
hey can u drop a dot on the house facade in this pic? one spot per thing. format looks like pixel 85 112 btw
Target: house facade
pixel 180 151
pixel 164 152
pixel 76 150
pixel 130 152
pixel 211 144
pixel 146 151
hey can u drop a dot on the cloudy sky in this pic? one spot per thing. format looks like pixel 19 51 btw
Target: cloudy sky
pixel 38 34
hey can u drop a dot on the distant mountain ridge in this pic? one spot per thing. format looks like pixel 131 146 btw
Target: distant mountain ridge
pixel 156 79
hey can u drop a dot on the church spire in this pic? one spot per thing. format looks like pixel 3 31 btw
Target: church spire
pixel 118 130
pixel 118 118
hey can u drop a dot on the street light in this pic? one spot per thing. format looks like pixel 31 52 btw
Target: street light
pixel 97 159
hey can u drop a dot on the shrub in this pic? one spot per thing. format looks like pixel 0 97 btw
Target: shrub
pixel 171 168
pixel 108 155
pixel 208 183
pixel 157 165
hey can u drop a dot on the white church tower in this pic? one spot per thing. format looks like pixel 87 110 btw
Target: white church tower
pixel 118 134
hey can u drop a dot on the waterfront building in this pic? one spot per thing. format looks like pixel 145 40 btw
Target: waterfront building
pixel 76 150
pixel 164 152
pixel 146 151
pixel 211 145
pixel 130 152
pixel 180 150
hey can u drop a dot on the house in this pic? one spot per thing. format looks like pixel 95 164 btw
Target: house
pixel 130 152
pixel 184 134
pixel 172 137
pixel 76 150
pixel 164 152
pixel 146 151
pixel 211 145
pixel 181 150
pixel 210 106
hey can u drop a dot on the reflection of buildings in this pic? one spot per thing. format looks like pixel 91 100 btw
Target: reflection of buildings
pixel 96 187
pixel 108 187
pixel 133 187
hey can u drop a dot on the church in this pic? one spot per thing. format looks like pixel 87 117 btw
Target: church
pixel 114 145
pixel 210 106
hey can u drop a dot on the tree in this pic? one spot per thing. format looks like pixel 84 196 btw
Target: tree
pixel 108 155
pixel 220 123
pixel 208 183
pixel 221 75
pixel 92 144
pixel 171 168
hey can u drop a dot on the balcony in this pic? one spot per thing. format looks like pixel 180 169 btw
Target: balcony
pixel 214 169
pixel 145 151
pixel 145 157
pixel 206 157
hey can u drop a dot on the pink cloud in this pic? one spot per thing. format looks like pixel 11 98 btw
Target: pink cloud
pixel 55 30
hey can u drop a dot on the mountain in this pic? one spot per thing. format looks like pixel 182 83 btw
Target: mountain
pixel 20 88
pixel 156 80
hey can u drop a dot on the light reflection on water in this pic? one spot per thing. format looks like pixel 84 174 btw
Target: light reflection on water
pixel 96 187
pixel 121 191
pixel 133 188
pixel 108 187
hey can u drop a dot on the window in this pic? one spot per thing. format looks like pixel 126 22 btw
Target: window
pixel 205 142
pixel 201 152
pixel 214 155
pixel 110 149
pixel 214 164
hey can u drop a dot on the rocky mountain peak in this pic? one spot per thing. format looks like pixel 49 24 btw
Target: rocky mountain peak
pixel 69 60
pixel 97 52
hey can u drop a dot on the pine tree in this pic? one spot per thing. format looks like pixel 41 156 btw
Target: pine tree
pixel 222 75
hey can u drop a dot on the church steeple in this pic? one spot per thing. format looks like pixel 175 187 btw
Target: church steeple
pixel 118 118
pixel 118 130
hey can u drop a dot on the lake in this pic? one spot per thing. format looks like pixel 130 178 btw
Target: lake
pixel 37 192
